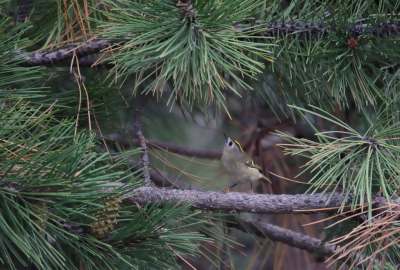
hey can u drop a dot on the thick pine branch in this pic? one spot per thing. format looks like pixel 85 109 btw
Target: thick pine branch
pixel 234 202
pixel 272 29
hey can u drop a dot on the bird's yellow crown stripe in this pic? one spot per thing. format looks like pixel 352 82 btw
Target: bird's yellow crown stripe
pixel 238 144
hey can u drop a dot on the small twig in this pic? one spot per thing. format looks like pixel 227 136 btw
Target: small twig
pixel 169 164
pixel 178 156
pixel 200 153
pixel 170 182
pixel 159 177
pixel 142 139
pixel 183 150
pixel 48 110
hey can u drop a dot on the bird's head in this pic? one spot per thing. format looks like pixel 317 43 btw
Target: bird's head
pixel 232 146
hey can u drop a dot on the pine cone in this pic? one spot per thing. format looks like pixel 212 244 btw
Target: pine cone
pixel 106 218
pixel 39 208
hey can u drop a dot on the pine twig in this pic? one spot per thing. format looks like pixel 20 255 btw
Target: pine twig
pixel 45 58
pixel 178 149
pixel 192 152
pixel 293 239
pixel 282 235
pixel 142 139
pixel 159 177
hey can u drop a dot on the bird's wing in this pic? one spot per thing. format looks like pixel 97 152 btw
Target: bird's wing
pixel 252 165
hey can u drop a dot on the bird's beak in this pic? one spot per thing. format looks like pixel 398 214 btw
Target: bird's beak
pixel 226 137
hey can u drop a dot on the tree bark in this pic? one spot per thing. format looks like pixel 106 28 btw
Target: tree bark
pixel 236 202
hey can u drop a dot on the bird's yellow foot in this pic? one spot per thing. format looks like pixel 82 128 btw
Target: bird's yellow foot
pixel 225 190
pixel 250 192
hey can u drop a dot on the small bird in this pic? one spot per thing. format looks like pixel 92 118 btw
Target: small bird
pixel 239 166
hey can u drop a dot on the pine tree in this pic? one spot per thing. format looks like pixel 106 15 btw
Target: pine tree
pixel 102 101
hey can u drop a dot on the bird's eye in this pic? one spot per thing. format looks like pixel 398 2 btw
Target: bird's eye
pixel 230 143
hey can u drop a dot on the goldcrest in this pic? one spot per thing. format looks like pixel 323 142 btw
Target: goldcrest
pixel 239 166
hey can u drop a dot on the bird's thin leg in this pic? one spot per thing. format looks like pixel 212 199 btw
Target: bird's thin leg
pixel 227 189
pixel 251 190
pixel 234 185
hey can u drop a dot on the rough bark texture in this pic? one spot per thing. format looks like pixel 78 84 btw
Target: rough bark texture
pixel 239 202
pixel 50 58
pixel 288 237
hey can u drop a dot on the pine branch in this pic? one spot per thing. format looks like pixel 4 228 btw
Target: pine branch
pixel 282 235
pixel 44 58
pixel 288 237
pixel 142 139
pixel 234 202
pixel 237 202
pixel 272 29
pixel 276 29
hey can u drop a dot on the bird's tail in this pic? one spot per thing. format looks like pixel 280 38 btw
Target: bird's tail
pixel 265 179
